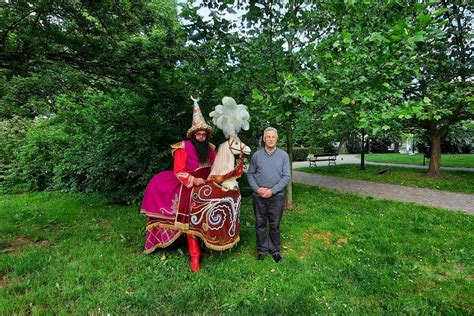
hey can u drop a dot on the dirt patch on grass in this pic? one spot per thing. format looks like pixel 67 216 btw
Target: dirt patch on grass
pixel 444 276
pixel 104 223
pixel 43 243
pixel 4 246
pixel 341 241
pixel 437 273
pixel 326 237
pixel 21 242
pixel 4 281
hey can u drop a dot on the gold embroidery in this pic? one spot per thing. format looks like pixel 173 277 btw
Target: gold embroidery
pixel 177 146
pixel 194 233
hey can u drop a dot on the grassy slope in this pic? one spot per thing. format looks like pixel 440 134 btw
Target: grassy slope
pixel 342 253
pixel 447 160
pixel 455 181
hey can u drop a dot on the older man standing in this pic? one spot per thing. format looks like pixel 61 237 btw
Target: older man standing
pixel 268 175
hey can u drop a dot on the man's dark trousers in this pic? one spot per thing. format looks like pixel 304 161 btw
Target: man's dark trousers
pixel 268 212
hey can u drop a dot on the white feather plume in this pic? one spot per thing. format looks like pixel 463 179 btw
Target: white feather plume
pixel 230 117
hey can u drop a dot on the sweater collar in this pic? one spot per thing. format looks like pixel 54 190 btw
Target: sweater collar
pixel 269 152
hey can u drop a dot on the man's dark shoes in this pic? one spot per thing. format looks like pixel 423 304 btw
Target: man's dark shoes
pixel 276 257
pixel 260 256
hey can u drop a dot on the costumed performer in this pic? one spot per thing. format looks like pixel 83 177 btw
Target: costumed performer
pixel 167 196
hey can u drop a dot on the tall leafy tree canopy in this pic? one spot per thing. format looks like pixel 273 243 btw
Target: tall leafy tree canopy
pixel 369 64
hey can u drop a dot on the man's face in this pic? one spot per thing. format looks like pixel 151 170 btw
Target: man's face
pixel 270 139
pixel 201 136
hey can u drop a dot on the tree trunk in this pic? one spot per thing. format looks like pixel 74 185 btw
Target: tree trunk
pixel 435 160
pixel 362 151
pixel 289 148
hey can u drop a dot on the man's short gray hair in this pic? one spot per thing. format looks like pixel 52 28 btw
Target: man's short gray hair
pixel 270 129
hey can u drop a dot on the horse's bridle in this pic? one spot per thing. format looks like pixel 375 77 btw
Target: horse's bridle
pixel 241 148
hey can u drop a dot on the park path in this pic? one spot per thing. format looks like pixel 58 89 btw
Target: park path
pixel 437 198
pixel 353 159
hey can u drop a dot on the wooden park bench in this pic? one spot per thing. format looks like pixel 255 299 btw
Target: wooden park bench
pixel 314 158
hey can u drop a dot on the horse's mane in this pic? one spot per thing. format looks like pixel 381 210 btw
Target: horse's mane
pixel 224 161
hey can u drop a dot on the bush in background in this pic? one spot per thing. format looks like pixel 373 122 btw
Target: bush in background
pixel 12 135
pixel 106 143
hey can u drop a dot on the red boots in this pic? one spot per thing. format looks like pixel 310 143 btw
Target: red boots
pixel 194 252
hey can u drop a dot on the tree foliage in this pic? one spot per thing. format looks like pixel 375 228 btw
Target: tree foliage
pixel 100 83
pixel 363 60
pixel 102 87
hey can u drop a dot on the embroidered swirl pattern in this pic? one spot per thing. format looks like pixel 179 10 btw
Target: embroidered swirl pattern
pixel 213 213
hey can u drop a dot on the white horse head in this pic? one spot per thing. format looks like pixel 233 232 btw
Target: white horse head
pixel 225 160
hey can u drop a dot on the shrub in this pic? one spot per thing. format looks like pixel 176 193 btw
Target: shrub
pixel 301 153
pixel 12 135
pixel 39 154
pixel 111 144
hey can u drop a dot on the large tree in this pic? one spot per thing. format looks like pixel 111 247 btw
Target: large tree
pixel 388 65
pixel 440 93
pixel 358 69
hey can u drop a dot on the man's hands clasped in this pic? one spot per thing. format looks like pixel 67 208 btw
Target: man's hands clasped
pixel 264 192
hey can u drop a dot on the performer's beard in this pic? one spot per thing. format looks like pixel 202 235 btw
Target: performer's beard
pixel 202 149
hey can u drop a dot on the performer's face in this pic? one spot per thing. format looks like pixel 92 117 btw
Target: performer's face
pixel 200 136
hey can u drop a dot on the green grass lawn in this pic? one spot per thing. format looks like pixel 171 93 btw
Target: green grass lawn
pixel 447 160
pixel 455 181
pixel 64 253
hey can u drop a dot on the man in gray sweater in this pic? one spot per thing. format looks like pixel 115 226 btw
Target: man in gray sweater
pixel 268 175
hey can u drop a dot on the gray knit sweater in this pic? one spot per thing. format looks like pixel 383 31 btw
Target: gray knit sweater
pixel 269 170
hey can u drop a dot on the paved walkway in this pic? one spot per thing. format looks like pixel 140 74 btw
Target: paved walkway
pixel 353 159
pixel 443 199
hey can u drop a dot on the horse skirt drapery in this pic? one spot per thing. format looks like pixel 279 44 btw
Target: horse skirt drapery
pixel 205 211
